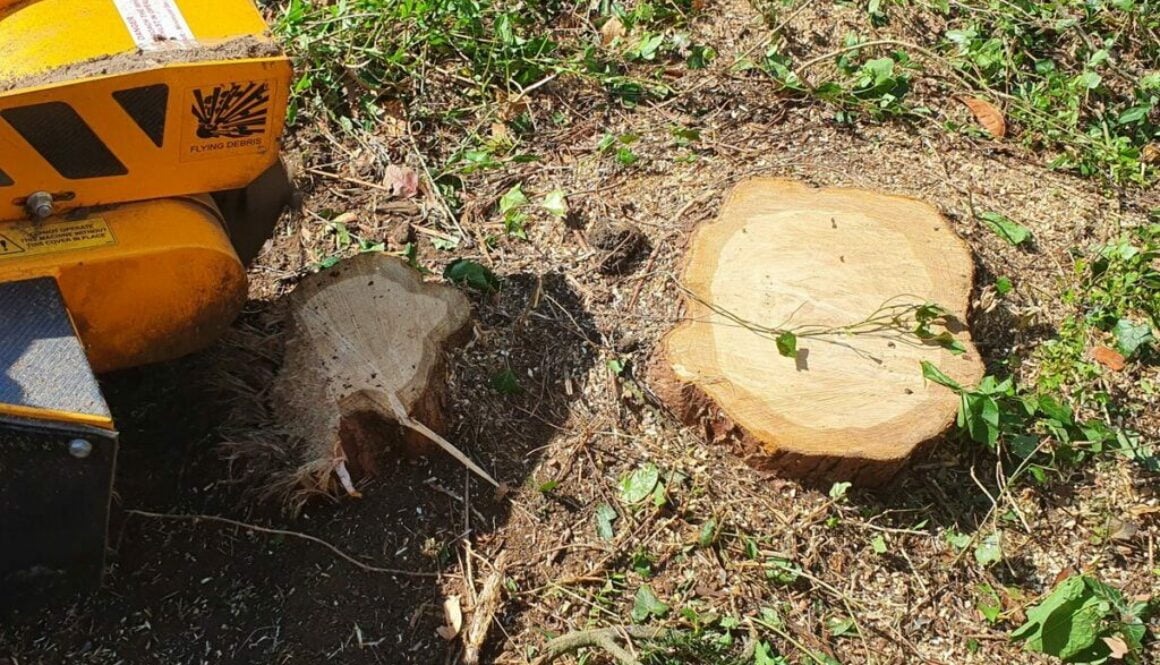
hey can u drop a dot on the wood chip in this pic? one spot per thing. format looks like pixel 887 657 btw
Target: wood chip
pixel 1109 358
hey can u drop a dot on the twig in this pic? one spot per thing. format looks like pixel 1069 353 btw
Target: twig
pixel 484 611
pixel 353 181
pixel 605 638
pixel 279 532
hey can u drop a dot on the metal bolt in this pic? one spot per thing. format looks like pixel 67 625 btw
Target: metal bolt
pixel 79 448
pixel 39 205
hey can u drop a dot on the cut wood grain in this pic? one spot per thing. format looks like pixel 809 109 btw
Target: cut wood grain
pixel 782 255
pixel 364 367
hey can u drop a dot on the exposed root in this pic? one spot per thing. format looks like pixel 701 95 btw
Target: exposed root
pixel 605 638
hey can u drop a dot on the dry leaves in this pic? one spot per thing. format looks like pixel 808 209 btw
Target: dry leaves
pixel 1109 358
pixel 452 617
pixel 988 116
pixel 612 30
pixel 402 180
pixel 1117 646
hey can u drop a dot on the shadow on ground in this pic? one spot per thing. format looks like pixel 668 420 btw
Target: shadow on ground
pixel 186 591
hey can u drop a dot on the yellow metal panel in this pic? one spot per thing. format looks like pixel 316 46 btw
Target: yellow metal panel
pixel 167 285
pixel 40 35
pixel 185 163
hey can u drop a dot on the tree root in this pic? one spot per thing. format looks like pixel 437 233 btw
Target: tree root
pixel 605 638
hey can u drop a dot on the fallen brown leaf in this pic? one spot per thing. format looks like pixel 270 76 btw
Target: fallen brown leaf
pixel 453 616
pixel 1109 358
pixel 402 180
pixel 1150 154
pixel 611 31
pixel 1118 647
pixel 988 116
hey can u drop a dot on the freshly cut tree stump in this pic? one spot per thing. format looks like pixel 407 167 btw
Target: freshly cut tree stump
pixel 785 256
pixel 364 367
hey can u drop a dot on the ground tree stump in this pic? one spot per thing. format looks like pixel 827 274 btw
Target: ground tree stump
pixel 782 255
pixel 364 366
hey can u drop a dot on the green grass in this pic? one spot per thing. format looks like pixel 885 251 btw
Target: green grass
pixel 353 56
pixel 1114 302
pixel 1077 79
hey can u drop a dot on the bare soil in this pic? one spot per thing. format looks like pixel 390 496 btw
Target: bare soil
pixel 181 591
pixel 138 60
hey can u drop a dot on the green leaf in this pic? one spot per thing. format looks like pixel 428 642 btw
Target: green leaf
pixel 782 570
pixel 605 516
pixel 1014 233
pixel 990 550
pixel 556 203
pixel 513 199
pixel 626 156
pixel 549 486
pixel 787 344
pixel 506 383
pixel 959 541
pixel 932 373
pixel 1131 336
pixel 878 544
pixel 839 626
pixel 989 603
pixel 471 274
pixel 640 484
pixel 763 654
pixel 647 605
pixel 838 490
pixel 1067 622
pixel 1003 286
pixel 708 533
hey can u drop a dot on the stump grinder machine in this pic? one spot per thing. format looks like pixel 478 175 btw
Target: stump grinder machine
pixel 139 173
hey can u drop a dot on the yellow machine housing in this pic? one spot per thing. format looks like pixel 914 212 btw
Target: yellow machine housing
pixel 95 113
pixel 127 114
pixel 144 282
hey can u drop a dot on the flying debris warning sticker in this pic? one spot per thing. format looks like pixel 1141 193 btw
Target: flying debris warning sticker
pixel 25 239
pixel 154 24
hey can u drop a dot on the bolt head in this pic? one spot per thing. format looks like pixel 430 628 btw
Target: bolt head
pixel 79 448
pixel 40 205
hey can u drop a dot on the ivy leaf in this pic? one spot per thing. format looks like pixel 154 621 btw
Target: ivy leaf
pixel 639 485
pixel 646 605
pixel 471 274
pixel 990 550
pixel 708 533
pixel 513 199
pixel 1014 233
pixel 1131 336
pixel 605 516
pixel 506 383
pixel 556 203
pixel 957 540
pixel 787 344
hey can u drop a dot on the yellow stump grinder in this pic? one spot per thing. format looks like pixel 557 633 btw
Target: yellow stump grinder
pixel 139 172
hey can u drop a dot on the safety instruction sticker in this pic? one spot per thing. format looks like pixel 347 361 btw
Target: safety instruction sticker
pixel 18 241
pixel 154 24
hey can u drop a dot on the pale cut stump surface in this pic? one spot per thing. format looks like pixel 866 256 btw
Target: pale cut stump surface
pixel 782 254
pixel 367 339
